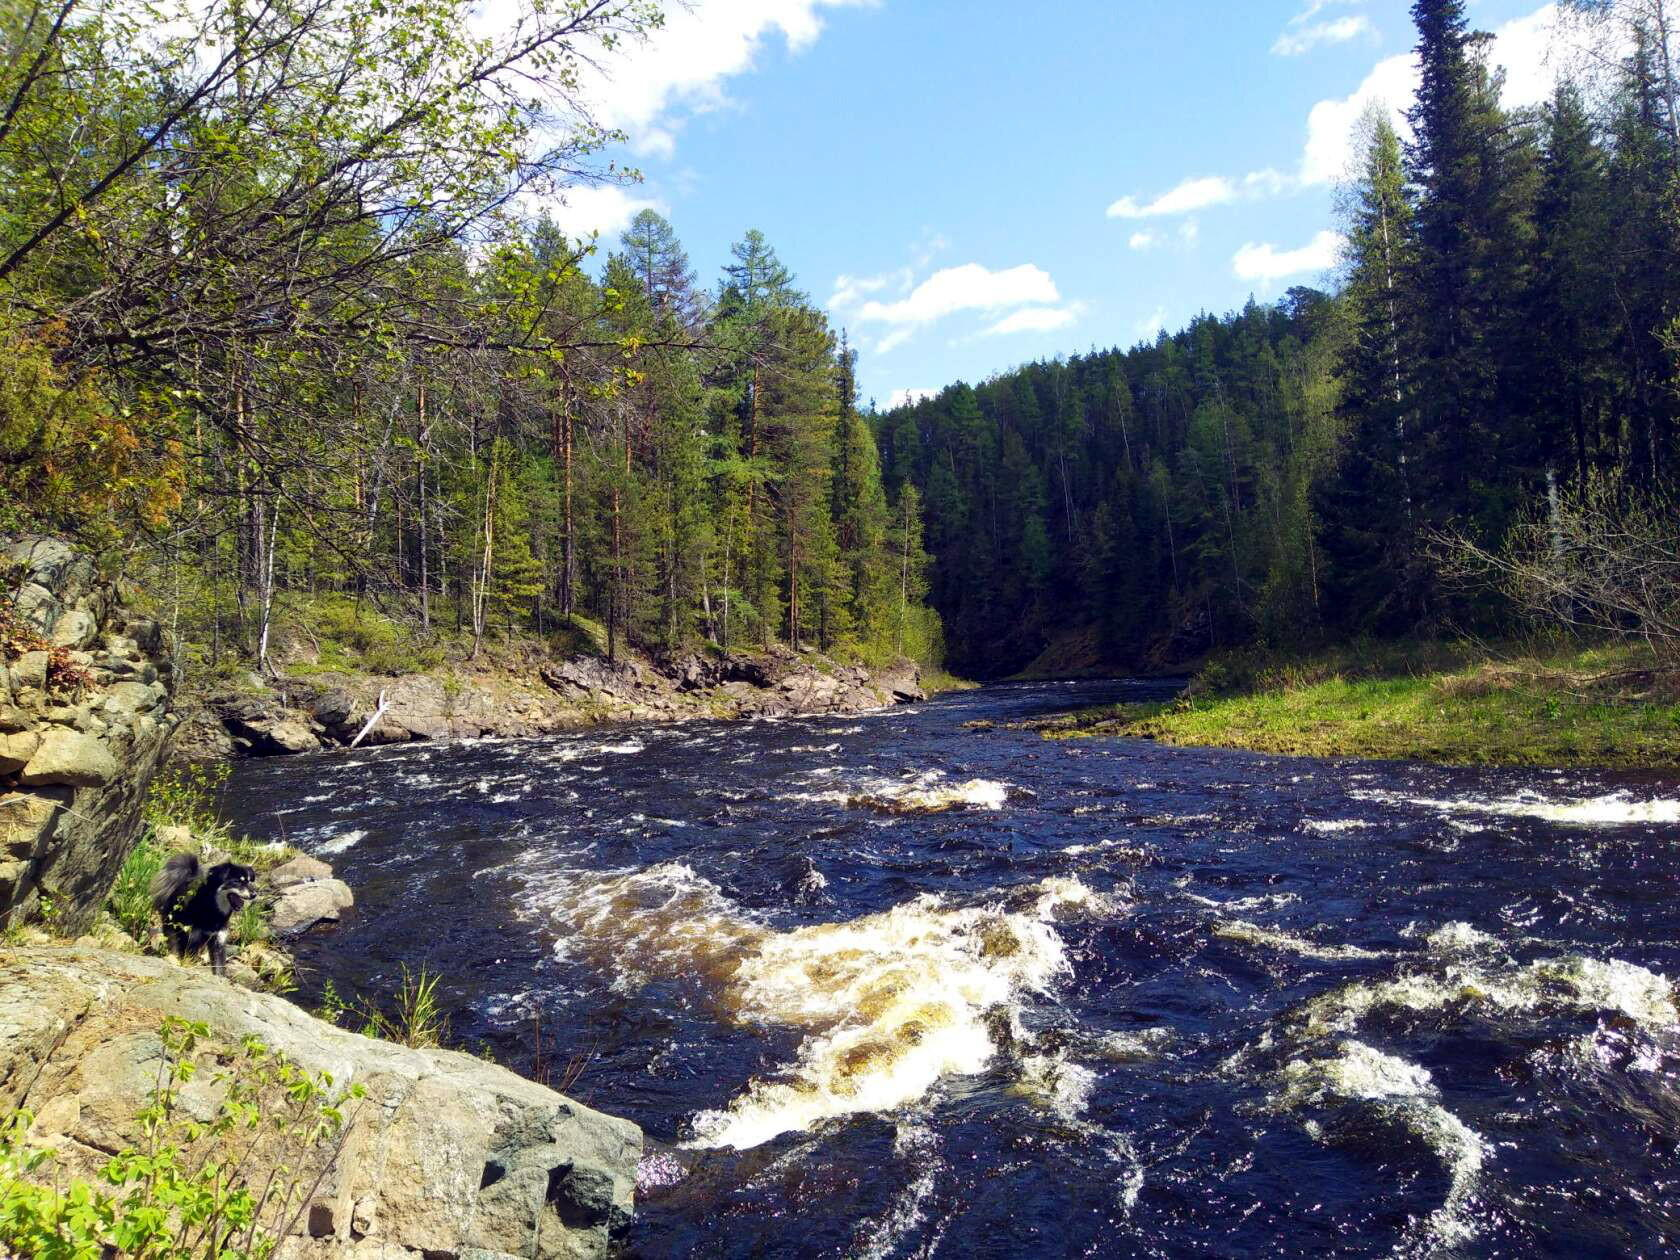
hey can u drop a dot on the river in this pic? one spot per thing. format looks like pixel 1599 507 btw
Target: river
pixel 1119 999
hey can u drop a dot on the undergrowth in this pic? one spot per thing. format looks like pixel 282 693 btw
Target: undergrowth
pixel 230 1187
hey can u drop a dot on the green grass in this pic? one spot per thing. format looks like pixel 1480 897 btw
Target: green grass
pixel 1599 707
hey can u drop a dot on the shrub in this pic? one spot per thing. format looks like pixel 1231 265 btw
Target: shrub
pixel 417 1021
pixel 130 901
pixel 230 1188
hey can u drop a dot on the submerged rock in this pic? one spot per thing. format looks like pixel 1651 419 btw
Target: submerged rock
pixel 446 1156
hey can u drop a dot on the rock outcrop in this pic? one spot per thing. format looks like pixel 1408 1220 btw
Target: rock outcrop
pixel 324 710
pixel 447 1155
pixel 83 722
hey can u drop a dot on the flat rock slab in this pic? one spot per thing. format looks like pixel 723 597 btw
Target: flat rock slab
pixel 446 1155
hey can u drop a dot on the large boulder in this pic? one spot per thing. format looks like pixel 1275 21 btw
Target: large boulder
pixel 447 1155
pixel 301 906
pixel 89 723
pixel 69 759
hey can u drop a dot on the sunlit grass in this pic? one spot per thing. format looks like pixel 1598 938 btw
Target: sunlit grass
pixel 1603 707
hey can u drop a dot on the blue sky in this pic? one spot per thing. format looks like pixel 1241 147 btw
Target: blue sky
pixel 968 186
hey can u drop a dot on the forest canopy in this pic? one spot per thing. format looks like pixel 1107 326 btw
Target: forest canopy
pixel 285 318
pixel 1502 343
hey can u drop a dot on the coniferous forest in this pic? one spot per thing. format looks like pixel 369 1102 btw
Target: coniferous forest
pixel 1500 355
pixel 281 323
pixel 285 321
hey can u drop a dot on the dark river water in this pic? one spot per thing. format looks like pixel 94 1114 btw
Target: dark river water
pixel 1119 1000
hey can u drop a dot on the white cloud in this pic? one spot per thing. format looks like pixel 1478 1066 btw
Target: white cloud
pixel 1189 196
pixel 1189 232
pixel 850 290
pixel 1144 240
pixel 604 208
pixel 969 287
pixel 1036 319
pixel 1201 193
pixel 645 87
pixel 1299 39
pixel 1150 327
pixel 1522 46
pixel 1331 124
pixel 1265 264
pixel 906 397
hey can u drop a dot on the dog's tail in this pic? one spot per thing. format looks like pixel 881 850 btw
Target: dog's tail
pixel 173 878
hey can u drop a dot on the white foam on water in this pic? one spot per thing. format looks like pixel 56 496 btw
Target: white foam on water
pixel 1572 982
pixel 889 1003
pixel 1458 938
pixel 926 793
pixel 813 748
pixel 1132 1047
pixel 1331 826
pixel 1253 934
pixel 1404 1092
pixel 1614 809
pixel 626 748
pixel 1054 1082
pixel 342 842
pixel 894 1002
pixel 812 881
pixel 880 1237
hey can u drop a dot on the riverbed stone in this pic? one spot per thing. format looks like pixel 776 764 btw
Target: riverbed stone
pixel 305 905
pixel 300 870
pixel 16 749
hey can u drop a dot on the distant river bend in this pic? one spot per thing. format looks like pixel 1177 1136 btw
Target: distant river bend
pixel 883 986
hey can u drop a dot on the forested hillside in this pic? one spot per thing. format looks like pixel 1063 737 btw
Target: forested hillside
pixel 1498 362
pixel 285 325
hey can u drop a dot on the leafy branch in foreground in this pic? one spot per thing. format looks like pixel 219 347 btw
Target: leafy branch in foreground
pixel 231 1187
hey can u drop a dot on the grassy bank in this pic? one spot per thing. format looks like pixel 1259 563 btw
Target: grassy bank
pixel 1451 703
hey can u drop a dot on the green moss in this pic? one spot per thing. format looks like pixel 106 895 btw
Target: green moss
pixel 1600 707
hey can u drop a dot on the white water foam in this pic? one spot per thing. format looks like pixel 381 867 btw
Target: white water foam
pixel 1404 1092
pixel 1571 982
pixel 1615 809
pixel 1253 934
pixel 341 843
pixel 1331 826
pixel 889 1003
pixel 925 793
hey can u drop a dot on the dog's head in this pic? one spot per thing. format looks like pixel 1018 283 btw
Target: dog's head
pixel 235 886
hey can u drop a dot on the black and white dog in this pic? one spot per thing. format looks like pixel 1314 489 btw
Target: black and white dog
pixel 192 918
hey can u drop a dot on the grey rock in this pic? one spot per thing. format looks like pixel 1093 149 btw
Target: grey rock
pixel 303 906
pixel 300 870
pixel 74 629
pixel 447 1155
pixel 35 605
pixel 291 736
pixel 335 708
pixel 70 758
pixel 67 833
pixel 131 697
pixel 16 749
pixel 29 672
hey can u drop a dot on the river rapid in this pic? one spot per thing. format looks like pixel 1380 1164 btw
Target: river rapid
pixel 884 986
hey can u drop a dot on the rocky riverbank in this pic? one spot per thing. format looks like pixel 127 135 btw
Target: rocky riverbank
pixel 299 712
pixel 445 1155
pixel 85 715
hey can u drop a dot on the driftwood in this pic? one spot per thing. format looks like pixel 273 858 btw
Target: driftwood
pixel 378 712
